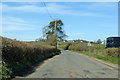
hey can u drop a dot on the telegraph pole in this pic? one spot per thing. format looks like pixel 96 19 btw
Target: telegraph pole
pixel 55 33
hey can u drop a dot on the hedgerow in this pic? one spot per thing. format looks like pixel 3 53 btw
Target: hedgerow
pixel 19 55
pixel 95 49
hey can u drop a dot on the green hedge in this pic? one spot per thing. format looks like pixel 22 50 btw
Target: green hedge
pixel 95 49
pixel 78 47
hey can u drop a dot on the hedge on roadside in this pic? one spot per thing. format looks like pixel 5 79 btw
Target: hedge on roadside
pixel 18 55
pixel 78 47
pixel 95 49
pixel 113 52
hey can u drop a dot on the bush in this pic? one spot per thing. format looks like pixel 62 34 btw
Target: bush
pixel 78 47
pixel 113 52
pixel 6 72
pixel 95 49
pixel 63 45
pixel 19 55
pixel 51 40
pixel 67 46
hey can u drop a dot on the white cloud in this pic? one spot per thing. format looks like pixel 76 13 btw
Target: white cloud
pixel 13 24
pixel 75 34
pixel 27 8
pixel 53 9
pixel 15 28
pixel 60 0
pixel 19 37
pixel 100 6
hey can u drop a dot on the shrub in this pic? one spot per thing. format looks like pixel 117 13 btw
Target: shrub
pixel 78 47
pixel 19 55
pixel 68 45
pixel 113 52
pixel 6 72
pixel 51 40
pixel 95 49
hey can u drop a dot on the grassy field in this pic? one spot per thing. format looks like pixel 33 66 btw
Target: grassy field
pixel 105 58
pixel 40 42
pixel 62 45
pixel 96 50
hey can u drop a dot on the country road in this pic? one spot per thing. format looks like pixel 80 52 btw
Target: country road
pixel 73 65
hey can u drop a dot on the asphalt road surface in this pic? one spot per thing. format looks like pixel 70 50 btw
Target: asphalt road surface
pixel 74 65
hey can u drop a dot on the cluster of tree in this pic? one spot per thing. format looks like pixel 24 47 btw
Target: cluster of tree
pixel 99 41
pixel 40 39
pixel 53 32
pixel 83 41
pixel 54 28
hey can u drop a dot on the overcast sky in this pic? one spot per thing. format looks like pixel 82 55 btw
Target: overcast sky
pixel 89 21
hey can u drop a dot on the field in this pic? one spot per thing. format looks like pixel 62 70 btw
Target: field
pixel 95 50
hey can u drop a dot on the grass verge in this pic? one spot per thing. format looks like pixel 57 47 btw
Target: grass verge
pixel 105 58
